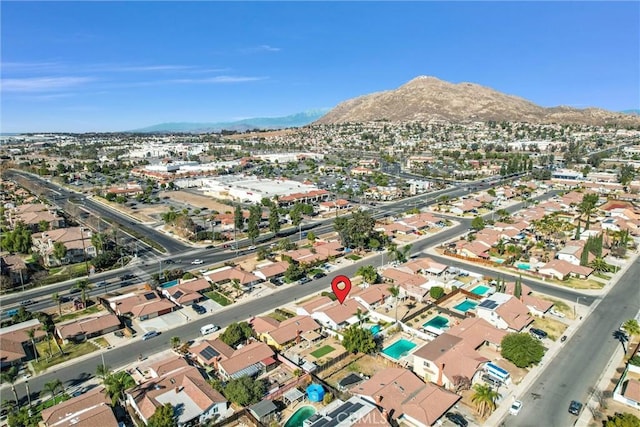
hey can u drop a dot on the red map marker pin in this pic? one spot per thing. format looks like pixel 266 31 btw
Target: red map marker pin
pixel 341 286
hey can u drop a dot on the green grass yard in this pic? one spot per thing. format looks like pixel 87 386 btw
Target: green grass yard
pixel 322 351
pixel 218 297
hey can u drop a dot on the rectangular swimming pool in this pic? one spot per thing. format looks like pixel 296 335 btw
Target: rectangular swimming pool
pixel 399 349
pixel 437 322
pixel 466 305
pixel 480 290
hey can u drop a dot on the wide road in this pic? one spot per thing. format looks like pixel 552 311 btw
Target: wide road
pixel 575 370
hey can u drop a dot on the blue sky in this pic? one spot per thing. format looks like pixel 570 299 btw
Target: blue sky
pixel 113 66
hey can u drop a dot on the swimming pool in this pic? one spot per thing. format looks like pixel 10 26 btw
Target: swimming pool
pixel 466 305
pixel 437 322
pixel 523 266
pixel 480 290
pixel 375 329
pixel 298 417
pixel 169 284
pixel 399 349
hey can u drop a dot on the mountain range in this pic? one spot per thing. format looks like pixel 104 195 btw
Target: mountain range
pixel 428 98
pixel 294 120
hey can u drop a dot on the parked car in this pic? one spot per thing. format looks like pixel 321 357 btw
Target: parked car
pixel 304 280
pixel 198 309
pixel 197 262
pixel 318 276
pixel 556 313
pixel 538 333
pixel 575 407
pixel 492 381
pixel 457 419
pixel 515 408
pixel 149 335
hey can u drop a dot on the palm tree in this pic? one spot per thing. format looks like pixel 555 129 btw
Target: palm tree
pixel 600 265
pixel 175 342
pixel 368 273
pixel 503 214
pixel 84 286
pixel 622 337
pixel 395 293
pixel 11 376
pixel 103 371
pixel 632 327
pixel 399 254
pixel 31 333
pixel 52 387
pixel 236 285
pixel 58 300
pixel 587 207
pixel 362 316
pixel 484 399
pixel 116 384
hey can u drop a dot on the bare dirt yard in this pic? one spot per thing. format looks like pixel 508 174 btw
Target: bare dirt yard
pixel 196 200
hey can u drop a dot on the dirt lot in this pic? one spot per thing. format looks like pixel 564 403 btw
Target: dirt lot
pixel 196 200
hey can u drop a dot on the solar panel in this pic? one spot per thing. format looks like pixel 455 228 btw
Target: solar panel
pixel 490 304
pixel 149 296
pixel 209 353
pixel 178 294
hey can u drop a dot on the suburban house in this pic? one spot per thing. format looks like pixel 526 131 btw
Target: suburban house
pixel 287 332
pixel 504 312
pixel 354 412
pixel 537 306
pixel 187 292
pixel 230 274
pixel 411 285
pixel 143 305
pixel 372 296
pixel 421 221
pixel 405 398
pixel 90 409
pixel 425 266
pixel 252 359
pixel 33 214
pixel 561 270
pixel 77 240
pixel 572 252
pixel 271 270
pixel 336 316
pixel 455 354
pixel 333 206
pixel 467 206
pixel 185 388
pixel 15 344
pixel 321 251
pixel 15 268
pixel 88 327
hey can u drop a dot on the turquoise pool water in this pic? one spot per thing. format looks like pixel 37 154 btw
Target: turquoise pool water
pixel 437 322
pixel 399 348
pixel 466 305
pixel 299 416
pixel 375 329
pixel 480 290
pixel 523 266
pixel 169 284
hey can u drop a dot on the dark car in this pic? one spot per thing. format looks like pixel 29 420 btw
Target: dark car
pixel 210 247
pixel 318 276
pixel 74 290
pixel 538 333
pixel 457 419
pixel 126 277
pixel 575 407
pixel 198 309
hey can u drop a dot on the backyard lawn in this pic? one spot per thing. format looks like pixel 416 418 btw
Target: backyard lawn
pixel 322 351
pixel 71 351
pixel 80 313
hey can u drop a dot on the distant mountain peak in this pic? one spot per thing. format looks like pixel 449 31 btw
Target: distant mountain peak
pixel 427 98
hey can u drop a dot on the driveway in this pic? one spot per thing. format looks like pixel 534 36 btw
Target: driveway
pixel 164 322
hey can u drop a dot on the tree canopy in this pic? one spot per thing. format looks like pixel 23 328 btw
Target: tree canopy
pixel 164 416
pixel 521 349
pixel 244 391
pixel 358 340
pixel 357 230
pixel 622 420
pixel 236 333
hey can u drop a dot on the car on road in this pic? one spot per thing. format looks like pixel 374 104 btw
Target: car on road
pixel 149 335
pixel 457 419
pixel 126 277
pixel 26 302
pixel 197 262
pixel 318 276
pixel 250 248
pixel 169 261
pixel 515 408
pixel 575 407
pixel 198 309
pixel 74 290
pixel 304 280
pixel 209 247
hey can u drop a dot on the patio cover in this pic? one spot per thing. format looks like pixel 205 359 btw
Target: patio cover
pixel 292 395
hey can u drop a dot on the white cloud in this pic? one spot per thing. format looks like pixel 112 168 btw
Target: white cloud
pixel 217 79
pixel 42 84
pixel 261 48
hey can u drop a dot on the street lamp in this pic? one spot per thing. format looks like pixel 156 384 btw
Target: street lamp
pixel 26 384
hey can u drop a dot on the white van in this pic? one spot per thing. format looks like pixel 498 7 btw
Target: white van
pixel 208 329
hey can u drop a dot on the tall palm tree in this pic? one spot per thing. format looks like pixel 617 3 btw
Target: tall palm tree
pixel 103 371
pixel 622 337
pixel 484 399
pixel 236 285
pixel 11 376
pixel 52 387
pixel 632 327
pixel 31 333
pixel 395 293
pixel 58 300
pixel 84 286
pixel 600 265
pixel 587 207
pixel 175 342
pixel 362 316
pixel 399 253
pixel 116 384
